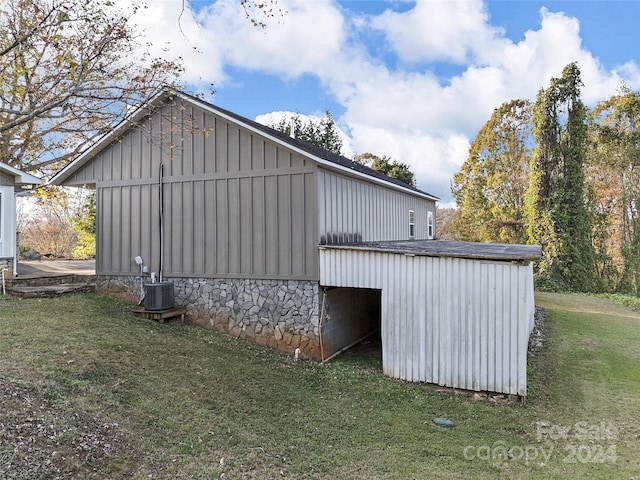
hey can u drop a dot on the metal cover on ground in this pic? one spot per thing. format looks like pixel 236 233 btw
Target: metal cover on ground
pixel 444 422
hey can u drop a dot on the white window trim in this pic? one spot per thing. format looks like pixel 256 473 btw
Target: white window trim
pixel 412 225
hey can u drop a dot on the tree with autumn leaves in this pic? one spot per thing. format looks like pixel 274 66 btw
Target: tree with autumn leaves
pixel 580 170
pixel 68 71
pixel 613 174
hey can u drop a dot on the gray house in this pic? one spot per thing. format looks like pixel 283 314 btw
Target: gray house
pixel 232 212
pixel 271 239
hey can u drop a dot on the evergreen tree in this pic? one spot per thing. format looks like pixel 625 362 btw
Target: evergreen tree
pixel 322 133
pixel 390 167
pixel 555 210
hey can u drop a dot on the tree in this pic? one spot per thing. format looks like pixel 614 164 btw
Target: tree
pixel 390 167
pixel 83 223
pixel 614 178
pixel 49 231
pixel 445 217
pixel 322 133
pixel 490 187
pixel 69 70
pixel 555 210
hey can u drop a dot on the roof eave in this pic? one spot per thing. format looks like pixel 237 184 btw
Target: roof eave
pixel 325 163
pixel 106 139
pixel 21 178
pixel 143 110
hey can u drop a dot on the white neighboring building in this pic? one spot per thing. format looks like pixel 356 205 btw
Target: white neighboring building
pixel 10 177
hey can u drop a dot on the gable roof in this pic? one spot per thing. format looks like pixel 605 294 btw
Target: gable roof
pixel 21 178
pixel 320 155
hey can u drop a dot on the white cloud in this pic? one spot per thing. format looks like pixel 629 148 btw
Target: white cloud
pixel 452 30
pixel 406 110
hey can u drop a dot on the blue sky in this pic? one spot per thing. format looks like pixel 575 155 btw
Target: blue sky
pixel 412 80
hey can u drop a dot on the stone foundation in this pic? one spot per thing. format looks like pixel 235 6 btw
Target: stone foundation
pixel 282 314
pixel 6 264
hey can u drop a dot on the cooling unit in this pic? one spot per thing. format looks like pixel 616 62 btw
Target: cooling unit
pixel 159 296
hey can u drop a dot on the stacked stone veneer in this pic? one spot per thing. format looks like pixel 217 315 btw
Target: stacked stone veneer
pixel 281 314
pixel 6 264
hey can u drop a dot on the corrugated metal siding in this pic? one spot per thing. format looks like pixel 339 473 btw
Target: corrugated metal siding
pixel 450 321
pixel 350 208
pixel 235 205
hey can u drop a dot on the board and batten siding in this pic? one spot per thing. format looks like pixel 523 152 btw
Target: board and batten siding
pixel 353 210
pixel 456 322
pixel 235 205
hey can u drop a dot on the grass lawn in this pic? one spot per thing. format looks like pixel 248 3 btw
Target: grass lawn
pixel 95 392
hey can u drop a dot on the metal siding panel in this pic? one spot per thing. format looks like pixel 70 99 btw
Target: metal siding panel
pixel 284 226
pixel 475 309
pixel 222 231
pixel 220 133
pixel 271 225
pixel 233 225
pixel 259 239
pixel 124 254
pixel 312 239
pixel 136 153
pixel 198 240
pixel 136 227
pixel 283 158
pixel 375 212
pixel 322 200
pixel 102 230
pixel 210 231
pixel 246 223
pixel 298 211
pixel 257 153
pixel 421 316
pixel 188 139
pixel 187 220
pixel 233 148
pixel 245 154
pixel 174 227
pixel 198 149
pixel 270 156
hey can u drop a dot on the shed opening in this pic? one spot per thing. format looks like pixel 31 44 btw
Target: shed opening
pixel 351 316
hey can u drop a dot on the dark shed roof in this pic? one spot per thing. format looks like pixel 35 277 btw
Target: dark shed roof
pixel 447 248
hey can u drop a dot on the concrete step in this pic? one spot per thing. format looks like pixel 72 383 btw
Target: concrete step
pixel 51 279
pixel 46 291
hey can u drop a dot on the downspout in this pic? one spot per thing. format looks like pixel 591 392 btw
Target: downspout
pixel 324 298
pixel 161 210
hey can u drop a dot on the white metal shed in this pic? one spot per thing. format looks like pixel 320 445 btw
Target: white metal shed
pixel 455 314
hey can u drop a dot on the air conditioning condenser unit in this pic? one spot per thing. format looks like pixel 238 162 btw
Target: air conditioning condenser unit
pixel 159 296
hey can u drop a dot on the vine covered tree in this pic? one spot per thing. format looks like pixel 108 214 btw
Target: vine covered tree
pixel 490 187
pixel 614 178
pixel 390 167
pixel 68 71
pixel 556 214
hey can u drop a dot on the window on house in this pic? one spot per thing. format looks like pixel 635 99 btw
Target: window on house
pixel 430 226
pixel 412 225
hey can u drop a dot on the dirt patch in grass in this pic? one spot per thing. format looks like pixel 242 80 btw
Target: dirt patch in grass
pixel 41 440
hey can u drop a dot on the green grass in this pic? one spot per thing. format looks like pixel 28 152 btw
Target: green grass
pixel 185 402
